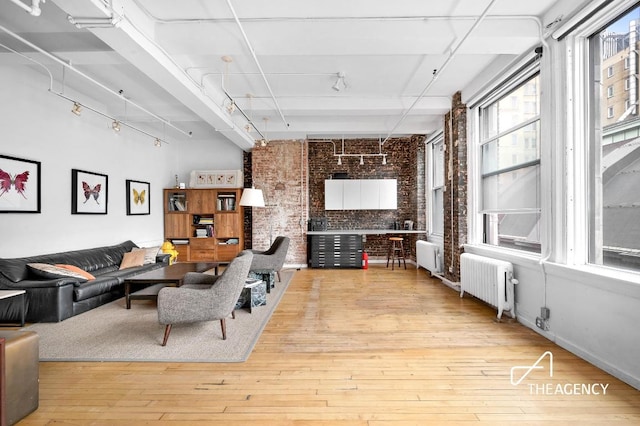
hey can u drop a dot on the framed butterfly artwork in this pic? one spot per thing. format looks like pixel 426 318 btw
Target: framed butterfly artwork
pixel 138 197
pixel 89 192
pixel 19 185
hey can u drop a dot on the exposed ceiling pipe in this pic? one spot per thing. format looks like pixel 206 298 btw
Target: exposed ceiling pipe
pixel 255 59
pixel 33 10
pixel 91 79
pixel 437 72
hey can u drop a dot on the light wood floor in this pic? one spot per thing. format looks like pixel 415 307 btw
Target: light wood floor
pixel 349 347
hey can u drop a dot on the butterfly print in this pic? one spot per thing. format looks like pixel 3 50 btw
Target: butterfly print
pixel 138 197
pixel 88 192
pixel 18 181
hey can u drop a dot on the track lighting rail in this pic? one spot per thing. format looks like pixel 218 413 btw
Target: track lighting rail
pixel 91 79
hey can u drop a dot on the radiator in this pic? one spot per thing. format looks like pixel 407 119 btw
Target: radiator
pixel 490 280
pixel 428 256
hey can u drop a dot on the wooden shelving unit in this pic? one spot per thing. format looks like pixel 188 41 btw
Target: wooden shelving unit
pixel 204 224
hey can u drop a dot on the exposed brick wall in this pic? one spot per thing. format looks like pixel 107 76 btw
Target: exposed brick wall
pixel 280 170
pixel 405 160
pixel 455 218
pixel 292 174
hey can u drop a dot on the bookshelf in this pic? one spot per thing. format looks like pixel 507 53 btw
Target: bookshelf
pixel 204 224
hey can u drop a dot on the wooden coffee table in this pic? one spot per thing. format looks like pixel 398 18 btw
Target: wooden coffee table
pixel 169 275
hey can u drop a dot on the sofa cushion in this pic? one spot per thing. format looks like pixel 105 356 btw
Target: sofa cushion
pixel 131 259
pixel 90 260
pixel 48 271
pixel 150 253
pixel 77 270
pixel 101 285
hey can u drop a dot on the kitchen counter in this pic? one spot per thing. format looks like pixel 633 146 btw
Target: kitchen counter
pixel 365 232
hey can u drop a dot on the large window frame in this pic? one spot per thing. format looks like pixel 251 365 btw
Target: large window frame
pixel 605 247
pixel 492 216
pixel 435 186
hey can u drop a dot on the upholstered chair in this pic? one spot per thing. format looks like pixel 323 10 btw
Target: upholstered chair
pixel 204 297
pixel 273 259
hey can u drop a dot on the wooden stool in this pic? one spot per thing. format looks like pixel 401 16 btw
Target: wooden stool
pixel 396 246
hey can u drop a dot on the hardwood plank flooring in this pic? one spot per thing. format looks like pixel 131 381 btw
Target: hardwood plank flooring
pixel 350 347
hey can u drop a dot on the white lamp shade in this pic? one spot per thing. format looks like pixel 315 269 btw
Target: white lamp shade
pixel 252 197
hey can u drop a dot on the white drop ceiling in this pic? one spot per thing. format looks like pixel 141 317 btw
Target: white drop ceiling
pixel 283 57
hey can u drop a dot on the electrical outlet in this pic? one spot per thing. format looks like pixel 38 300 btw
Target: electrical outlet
pixel 540 323
pixel 545 313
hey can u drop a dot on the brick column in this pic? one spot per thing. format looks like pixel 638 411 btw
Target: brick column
pixel 455 191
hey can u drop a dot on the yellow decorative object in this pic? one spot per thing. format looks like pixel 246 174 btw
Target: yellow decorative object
pixel 169 248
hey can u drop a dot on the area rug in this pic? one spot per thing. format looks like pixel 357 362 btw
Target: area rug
pixel 113 333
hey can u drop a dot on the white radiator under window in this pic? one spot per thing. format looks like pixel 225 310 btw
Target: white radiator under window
pixel 428 256
pixel 490 280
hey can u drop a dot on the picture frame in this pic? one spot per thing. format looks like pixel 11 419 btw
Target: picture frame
pixel 216 179
pixel 89 192
pixel 138 194
pixel 19 185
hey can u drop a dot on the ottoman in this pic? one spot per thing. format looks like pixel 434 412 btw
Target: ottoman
pixel 20 374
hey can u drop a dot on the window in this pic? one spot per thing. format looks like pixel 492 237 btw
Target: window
pixel 614 162
pixel 436 186
pixel 610 72
pixel 627 84
pixel 510 164
pixel 610 92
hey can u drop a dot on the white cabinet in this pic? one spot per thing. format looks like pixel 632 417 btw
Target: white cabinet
pixel 361 194
pixel 369 194
pixel 333 190
pixel 388 194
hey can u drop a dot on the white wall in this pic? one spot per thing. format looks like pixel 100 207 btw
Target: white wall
pixel 38 125
pixel 595 311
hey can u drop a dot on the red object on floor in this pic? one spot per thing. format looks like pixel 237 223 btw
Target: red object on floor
pixel 365 260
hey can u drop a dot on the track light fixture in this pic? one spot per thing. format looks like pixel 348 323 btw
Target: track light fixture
pixel 340 83
pixel 231 107
pixel 157 143
pixel 361 155
pixel 116 125
pixel 77 109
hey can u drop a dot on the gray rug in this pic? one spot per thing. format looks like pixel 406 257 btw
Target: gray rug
pixel 113 333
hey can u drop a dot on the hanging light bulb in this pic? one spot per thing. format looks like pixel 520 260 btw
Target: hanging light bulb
pixel 384 159
pixel 361 160
pixel 339 160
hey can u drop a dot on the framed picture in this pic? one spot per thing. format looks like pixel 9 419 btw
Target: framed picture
pixel 89 192
pixel 19 185
pixel 216 179
pixel 138 197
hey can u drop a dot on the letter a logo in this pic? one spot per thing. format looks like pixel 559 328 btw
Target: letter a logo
pixel 529 368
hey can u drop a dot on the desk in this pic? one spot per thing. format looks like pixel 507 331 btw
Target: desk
pixel 343 248
pixel 366 232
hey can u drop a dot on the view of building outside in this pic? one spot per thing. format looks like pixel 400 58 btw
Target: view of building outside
pixel 615 227
pixel 511 168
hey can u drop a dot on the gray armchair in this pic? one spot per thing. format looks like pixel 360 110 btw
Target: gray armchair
pixel 204 297
pixel 273 258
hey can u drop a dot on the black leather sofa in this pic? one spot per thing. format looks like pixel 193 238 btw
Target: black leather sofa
pixel 53 300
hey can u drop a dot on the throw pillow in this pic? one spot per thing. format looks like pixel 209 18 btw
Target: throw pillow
pixel 45 270
pixel 150 253
pixel 132 258
pixel 74 268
